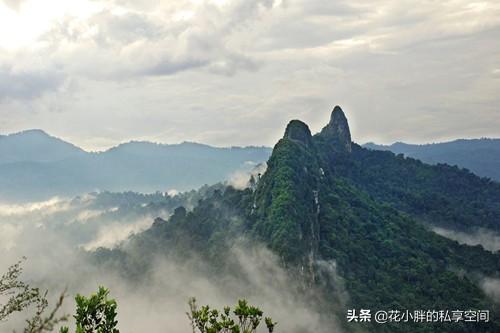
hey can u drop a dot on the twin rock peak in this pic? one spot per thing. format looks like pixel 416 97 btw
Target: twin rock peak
pixel 336 132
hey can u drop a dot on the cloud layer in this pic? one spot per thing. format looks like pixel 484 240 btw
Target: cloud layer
pixel 159 302
pixel 234 72
pixel 489 240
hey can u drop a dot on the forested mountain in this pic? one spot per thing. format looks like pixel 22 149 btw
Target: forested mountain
pixel 481 156
pixel 35 166
pixel 327 206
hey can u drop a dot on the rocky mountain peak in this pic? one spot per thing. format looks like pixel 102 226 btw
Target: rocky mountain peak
pixel 337 131
pixel 297 130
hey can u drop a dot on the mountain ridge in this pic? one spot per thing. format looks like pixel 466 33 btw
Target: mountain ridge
pixel 33 169
pixel 35 145
pixel 36 171
pixel 43 133
pixel 481 156
pixel 362 211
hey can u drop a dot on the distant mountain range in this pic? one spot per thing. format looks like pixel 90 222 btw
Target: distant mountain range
pixel 37 166
pixel 481 156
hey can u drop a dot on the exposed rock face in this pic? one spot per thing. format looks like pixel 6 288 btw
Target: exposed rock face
pixel 296 130
pixel 337 131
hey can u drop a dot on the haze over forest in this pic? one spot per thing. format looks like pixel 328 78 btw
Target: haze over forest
pixel 35 166
pixel 303 212
pixel 195 148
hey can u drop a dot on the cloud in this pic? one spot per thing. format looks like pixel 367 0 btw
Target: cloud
pixel 262 281
pixel 28 84
pixel 159 301
pixel 240 179
pixel 234 70
pixel 47 207
pixel 491 287
pixel 83 222
pixel 14 4
pixel 9 234
pixel 488 239
pixel 111 235
pixel 54 235
pixel 110 45
pixel 129 44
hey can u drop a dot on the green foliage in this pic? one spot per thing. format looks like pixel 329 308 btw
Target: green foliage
pixel 438 194
pixel 481 156
pixel 244 319
pixel 20 296
pixel 363 209
pixel 284 198
pixel 95 314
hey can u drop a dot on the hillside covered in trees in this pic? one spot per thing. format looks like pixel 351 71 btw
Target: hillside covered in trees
pixel 481 156
pixel 350 224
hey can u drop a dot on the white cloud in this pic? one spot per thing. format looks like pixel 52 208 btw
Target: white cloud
pixel 9 233
pixel 48 207
pixel 14 4
pixel 231 72
pixel 488 239
pixel 491 287
pixel 111 235
pixel 240 179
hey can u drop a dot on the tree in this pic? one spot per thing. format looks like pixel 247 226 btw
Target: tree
pixel 245 319
pixel 21 296
pixel 41 324
pixel 95 314
pixel 18 293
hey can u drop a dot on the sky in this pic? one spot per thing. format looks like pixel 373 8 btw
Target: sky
pixel 101 72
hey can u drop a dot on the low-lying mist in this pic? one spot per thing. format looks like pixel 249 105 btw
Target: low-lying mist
pixel 491 287
pixel 87 221
pixel 488 239
pixel 56 237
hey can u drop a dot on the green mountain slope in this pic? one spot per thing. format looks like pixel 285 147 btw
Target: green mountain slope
pixel 325 199
pixel 481 156
pixel 441 195
pixel 321 198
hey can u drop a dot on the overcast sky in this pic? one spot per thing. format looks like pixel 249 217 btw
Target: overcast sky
pixel 223 72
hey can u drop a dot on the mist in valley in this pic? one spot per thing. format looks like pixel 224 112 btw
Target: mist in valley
pixel 488 239
pixel 58 238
